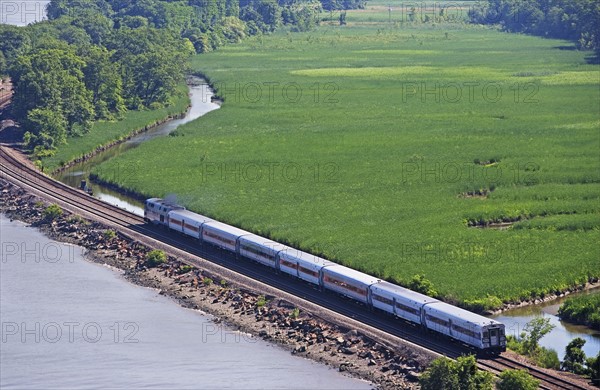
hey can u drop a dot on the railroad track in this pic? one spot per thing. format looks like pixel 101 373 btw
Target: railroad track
pixel 12 170
pixel 547 380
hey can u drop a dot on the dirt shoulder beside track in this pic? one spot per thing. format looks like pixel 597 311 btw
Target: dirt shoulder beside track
pixel 317 335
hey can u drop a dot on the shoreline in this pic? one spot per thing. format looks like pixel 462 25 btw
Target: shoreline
pixel 270 318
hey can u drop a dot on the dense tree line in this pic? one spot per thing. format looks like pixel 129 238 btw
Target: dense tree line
pixel 96 59
pixel 575 20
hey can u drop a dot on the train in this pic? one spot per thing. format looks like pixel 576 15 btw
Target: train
pixel 484 335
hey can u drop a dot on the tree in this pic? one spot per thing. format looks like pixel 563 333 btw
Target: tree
pixel 50 123
pixel 517 380
pixel 462 374
pixel 593 365
pixel 440 375
pixel 52 79
pixel 534 331
pixel 574 357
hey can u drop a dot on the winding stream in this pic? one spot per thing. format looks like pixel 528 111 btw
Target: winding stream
pixel 201 103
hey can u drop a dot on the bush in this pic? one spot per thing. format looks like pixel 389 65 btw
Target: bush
pixel 155 257
pixel 517 380
pixel 444 373
pixel 547 358
pixel 109 234
pixel 261 301
pixel 52 212
pixel 207 281
pixel 419 284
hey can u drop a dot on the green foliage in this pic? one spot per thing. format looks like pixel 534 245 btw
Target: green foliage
pixel 462 374
pixel 155 257
pixel 261 301
pixel 583 309
pixel 420 284
pixel 593 365
pixel 109 234
pixel 528 343
pixel 575 358
pixel 223 283
pixel 575 20
pixel 547 358
pixel 185 268
pixel 534 330
pixel 295 313
pixel 207 281
pixel 517 380
pixel 52 212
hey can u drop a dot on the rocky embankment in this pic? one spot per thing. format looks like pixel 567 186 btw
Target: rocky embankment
pixel 270 318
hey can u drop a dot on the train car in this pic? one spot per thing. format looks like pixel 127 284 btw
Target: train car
pixel 303 265
pixel 222 235
pixel 348 282
pixel 399 301
pixel 186 222
pixel 477 331
pixel 156 211
pixel 260 249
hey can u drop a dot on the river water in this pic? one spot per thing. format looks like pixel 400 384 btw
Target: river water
pixel 516 319
pixel 70 323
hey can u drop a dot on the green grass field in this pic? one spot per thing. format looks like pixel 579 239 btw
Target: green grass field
pixel 381 147
pixel 103 133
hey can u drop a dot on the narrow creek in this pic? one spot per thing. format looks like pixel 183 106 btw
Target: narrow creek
pixel 201 103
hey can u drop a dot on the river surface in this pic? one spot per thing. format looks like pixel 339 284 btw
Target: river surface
pixel 516 319
pixel 70 323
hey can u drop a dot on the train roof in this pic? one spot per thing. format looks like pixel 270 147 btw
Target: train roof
pixel 222 227
pixel 351 274
pixel 304 258
pixel 189 215
pixel 403 292
pixel 262 241
pixel 163 202
pixel 457 312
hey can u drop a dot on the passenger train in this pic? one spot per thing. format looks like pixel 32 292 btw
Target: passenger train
pixel 481 333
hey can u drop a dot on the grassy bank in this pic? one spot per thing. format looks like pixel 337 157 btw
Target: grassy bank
pixel 103 133
pixel 384 148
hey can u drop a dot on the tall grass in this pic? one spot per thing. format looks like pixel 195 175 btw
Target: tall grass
pixel 354 143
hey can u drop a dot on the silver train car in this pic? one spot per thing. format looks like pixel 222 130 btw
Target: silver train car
pixel 481 333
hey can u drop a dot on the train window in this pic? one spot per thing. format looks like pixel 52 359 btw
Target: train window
pixel 387 301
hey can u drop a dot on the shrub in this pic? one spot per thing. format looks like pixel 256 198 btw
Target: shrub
pixel 109 234
pixel 419 284
pixel 261 301
pixel 155 257
pixel 207 281
pixel 52 212
pixel 517 380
